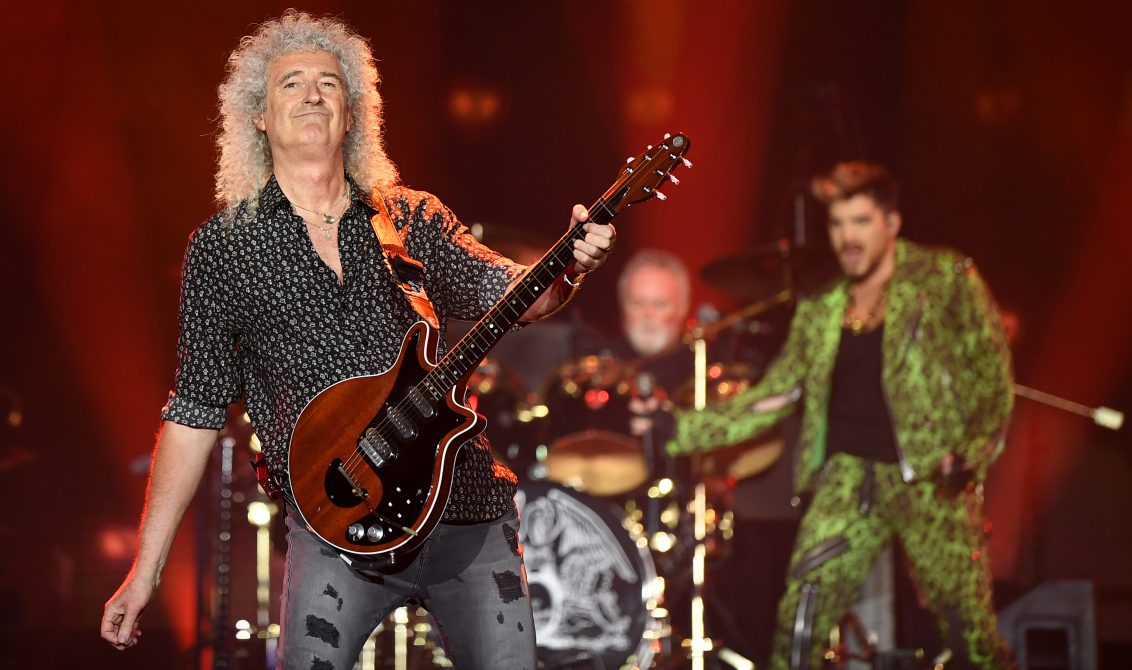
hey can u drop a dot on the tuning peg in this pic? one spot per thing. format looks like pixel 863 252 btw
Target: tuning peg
pixel 672 178
pixel 660 196
pixel 649 149
pixel 630 159
pixel 687 163
pixel 667 135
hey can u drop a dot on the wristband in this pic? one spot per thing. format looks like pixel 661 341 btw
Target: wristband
pixel 577 280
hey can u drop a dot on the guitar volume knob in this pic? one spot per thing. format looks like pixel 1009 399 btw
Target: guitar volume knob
pixel 375 533
pixel 355 532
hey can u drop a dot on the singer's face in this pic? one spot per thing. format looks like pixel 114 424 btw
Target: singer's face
pixel 307 111
pixel 862 234
pixel 653 310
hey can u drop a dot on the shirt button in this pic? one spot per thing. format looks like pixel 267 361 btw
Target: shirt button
pixel 365 342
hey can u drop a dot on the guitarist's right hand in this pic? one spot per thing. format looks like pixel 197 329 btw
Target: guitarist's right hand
pixel 121 614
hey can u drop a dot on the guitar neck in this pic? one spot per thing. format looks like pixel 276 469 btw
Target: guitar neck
pixel 466 355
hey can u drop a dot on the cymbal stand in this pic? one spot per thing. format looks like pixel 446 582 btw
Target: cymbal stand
pixel 699 643
pixel 698 338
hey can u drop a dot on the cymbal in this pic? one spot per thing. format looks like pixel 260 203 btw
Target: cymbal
pixel 758 273
pixel 599 462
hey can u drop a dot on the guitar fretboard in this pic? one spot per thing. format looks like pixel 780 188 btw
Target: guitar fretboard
pixel 466 355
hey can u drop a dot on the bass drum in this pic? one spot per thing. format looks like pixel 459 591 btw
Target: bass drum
pixel 593 585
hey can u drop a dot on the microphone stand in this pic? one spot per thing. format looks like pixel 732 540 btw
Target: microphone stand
pixel 697 338
pixel 1104 417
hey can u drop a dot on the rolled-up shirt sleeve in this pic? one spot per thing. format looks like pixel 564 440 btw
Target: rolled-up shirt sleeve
pixel 207 378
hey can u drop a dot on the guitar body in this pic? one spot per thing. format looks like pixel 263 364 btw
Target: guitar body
pixel 371 458
pixel 369 505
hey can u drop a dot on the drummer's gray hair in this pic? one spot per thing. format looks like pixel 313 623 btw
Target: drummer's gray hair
pixel 663 260
pixel 245 155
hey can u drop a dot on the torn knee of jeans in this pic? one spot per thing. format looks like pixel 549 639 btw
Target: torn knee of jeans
pixel 332 593
pixel 321 629
pixel 509 584
pixel 321 664
pixel 512 535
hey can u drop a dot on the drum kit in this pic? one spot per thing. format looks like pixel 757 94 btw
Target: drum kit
pixel 606 512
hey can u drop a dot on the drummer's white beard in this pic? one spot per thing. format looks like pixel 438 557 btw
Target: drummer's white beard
pixel 648 339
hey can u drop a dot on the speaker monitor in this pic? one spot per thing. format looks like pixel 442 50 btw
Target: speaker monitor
pixel 1053 627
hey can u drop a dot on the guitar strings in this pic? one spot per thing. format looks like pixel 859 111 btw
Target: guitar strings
pixel 529 286
pixel 357 460
pixel 530 289
pixel 524 287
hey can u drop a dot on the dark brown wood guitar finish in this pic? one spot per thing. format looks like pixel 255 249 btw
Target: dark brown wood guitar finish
pixel 371 458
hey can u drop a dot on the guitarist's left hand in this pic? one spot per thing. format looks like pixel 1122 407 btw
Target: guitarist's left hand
pixel 589 253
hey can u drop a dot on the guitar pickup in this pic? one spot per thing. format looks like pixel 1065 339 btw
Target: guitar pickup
pixel 406 429
pixel 376 448
pixel 426 408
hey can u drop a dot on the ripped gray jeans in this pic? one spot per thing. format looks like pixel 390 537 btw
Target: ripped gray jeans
pixel 470 577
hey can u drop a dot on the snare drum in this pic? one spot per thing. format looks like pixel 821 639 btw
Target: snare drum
pixel 593 586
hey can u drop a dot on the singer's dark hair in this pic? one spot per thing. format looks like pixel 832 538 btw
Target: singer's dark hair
pixel 854 178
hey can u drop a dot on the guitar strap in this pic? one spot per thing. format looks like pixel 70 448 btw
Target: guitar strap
pixel 408 271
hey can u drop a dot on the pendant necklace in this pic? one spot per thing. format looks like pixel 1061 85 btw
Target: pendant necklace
pixel 327 219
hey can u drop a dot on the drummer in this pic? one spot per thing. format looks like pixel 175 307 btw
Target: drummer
pixel 654 292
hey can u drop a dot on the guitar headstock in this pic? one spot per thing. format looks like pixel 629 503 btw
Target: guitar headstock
pixel 645 173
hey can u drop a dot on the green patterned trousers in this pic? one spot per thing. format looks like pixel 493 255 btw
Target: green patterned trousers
pixel 851 518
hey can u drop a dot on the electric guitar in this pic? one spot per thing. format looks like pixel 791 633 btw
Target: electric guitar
pixel 371 458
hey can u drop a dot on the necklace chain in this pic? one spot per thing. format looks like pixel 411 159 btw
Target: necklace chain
pixel 327 219
pixel 855 323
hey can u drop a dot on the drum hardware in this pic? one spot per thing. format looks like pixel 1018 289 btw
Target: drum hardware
pixel 587 447
pixel 513 417
pixel 698 644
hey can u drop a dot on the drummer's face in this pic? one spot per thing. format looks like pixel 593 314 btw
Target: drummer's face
pixel 653 310
pixel 863 235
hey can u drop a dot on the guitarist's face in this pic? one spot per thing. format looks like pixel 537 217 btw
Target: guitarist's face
pixel 863 236
pixel 307 111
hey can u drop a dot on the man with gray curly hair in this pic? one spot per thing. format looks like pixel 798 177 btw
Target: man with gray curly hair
pixel 285 292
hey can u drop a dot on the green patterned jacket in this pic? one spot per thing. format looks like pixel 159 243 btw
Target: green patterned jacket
pixel 946 372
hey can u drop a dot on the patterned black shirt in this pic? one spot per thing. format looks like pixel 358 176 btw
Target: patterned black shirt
pixel 263 316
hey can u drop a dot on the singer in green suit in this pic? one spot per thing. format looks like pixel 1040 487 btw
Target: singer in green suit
pixel 903 377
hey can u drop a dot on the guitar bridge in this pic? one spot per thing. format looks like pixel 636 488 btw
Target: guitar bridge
pixel 376 448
